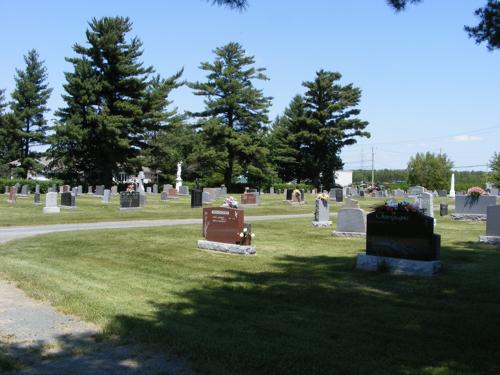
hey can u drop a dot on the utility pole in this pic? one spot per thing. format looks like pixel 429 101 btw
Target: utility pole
pixel 373 170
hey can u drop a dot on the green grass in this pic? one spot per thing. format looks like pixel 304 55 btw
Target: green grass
pixel 90 209
pixel 297 307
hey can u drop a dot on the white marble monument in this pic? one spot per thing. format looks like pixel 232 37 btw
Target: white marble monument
pixel 178 180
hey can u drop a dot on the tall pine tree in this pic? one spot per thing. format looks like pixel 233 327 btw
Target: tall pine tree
pixel 10 137
pixel 111 105
pixel 234 121
pixel 316 127
pixel 29 100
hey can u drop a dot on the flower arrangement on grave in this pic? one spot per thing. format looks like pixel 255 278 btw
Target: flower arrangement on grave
pixel 393 207
pixel 325 197
pixel 475 192
pixel 230 202
pixel 130 187
pixel 246 237
pixel 296 193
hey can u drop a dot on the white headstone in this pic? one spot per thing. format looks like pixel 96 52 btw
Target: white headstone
pixel 51 204
pixel 106 197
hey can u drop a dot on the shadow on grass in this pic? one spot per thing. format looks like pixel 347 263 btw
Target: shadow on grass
pixel 82 354
pixel 317 315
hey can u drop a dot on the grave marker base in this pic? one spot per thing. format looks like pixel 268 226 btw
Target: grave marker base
pixel 68 207
pixel 129 208
pixel 469 217
pixel 51 210
pixel 398 266
pixel 321 224
pixel 292 203
pixel 490 239
pixel 349 234
pixel 226 247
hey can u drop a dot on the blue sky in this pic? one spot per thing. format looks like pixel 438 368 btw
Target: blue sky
pixel 426 85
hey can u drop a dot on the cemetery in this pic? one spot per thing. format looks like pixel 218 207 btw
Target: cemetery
pixel 247 187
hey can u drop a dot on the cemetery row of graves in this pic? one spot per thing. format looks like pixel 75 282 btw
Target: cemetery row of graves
pixel 299 301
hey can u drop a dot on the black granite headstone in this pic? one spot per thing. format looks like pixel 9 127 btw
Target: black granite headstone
pixel 407 235
pixel 443 209
pixel 67 199
pixel 129 199
pixel 339 195
pixel 196 198
pixel 289 194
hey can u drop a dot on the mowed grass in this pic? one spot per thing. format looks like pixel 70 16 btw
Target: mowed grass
pixel 297 307
pixel 91 209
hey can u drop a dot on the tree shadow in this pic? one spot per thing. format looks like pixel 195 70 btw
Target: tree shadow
pixel 83 354
pixel 318 315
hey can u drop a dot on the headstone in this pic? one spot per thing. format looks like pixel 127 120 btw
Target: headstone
pixel 80 189
pixel 90 190
pixel 470 205
pixel 351 221
pixel 155 189
pixel 443 209
pixel 149 190
pixel 408 235
pixel 442 193
pixel 54 188
pixel 178 179
pixel 172 193
pixel 66 189
pixel 288 194
pixel 61 189
pixel 51 203
pixel 12 194
pixel 166 187
pixel 142 199
pixel 492 225
pixel 36 199
pixel 494 191
pixel 321 214
pixel 183 190
pixel 68 200
pixel 426 203
pixel 140 182
pixel 416 190
pixel 99 190
pixel 271 190
pixel 223 224
pixel 106 197
pixel 163 196
pixel 114 189
pixel 196 198
pixel 74 191
pixel 452 187
pixel 206 197
pixel 24 190
pixel 339 195
pixel 223 191
pixel 7 190
pixel 249 198
pixel 129 200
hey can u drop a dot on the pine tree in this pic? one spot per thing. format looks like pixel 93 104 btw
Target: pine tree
pixel 234 121
pixel 316 127
pixel 10 145
pixel 112 105
pixel 29 106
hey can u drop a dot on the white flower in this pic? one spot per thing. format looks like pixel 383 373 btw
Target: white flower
pixel 241 235
pixel 245 230
pixel 253 235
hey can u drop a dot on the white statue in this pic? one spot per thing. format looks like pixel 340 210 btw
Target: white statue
pixel 140 177
pixel 178 180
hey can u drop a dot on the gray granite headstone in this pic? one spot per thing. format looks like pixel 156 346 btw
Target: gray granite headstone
pixel 493 221
pixel 24 190
pixel 37 188
pixel 206 197
pixel 468 205
pixel 164 196
pixel 426 203
pixel 36 199
pixel 271 190
pixel 99 190
pixel 183 190
pixel 149 190
pixel 80 189
pixel 416 190
pixel 398 193
pixel 106 197
pixel 351 220
pixel 142 200
pixel 114 189
pixel 321 211
pixel 155 189
pixel 68 200
pixel 6 189
pixel 90 190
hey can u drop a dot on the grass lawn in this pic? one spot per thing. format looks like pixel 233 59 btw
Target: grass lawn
pixel 297 307
pixel 91 209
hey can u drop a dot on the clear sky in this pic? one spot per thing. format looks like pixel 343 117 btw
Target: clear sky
pixel 426 85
